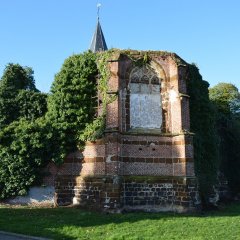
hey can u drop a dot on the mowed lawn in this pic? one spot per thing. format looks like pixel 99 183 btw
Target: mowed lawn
pixel 73 223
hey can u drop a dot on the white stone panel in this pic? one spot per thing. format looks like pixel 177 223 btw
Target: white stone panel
pixel 145 106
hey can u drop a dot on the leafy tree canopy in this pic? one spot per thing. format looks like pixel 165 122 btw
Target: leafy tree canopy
pixel 19 96
pixel 25 147
pixel 226 97
pixel 25 139
pixel 16 77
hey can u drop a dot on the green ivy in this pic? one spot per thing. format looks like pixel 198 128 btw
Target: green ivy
pixel 72 102
pixel 202 115
pixel 95 129
pixel 31 104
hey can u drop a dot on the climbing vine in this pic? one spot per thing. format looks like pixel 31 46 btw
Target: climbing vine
pixel 140 60
pixel 95 129
pixel 72 104
pixel 202 115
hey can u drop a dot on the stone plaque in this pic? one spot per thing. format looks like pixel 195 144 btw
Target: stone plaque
pixel 145 106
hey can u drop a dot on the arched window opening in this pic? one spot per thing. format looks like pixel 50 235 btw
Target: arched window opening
pixel 145 99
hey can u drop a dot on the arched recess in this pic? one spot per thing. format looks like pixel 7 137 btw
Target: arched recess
pixel 144 99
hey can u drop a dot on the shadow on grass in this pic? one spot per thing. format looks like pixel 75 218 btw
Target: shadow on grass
pixel 56 222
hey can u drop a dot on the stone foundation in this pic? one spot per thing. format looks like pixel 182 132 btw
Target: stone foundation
pixel 159 194
pixel 128 193
pixel 101 192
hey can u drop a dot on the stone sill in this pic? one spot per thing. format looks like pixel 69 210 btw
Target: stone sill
pixel 154 132
pixel 151 132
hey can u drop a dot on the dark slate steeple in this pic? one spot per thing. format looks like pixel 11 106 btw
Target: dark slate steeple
pixel 98 43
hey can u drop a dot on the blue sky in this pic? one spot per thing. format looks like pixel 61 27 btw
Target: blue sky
pixel 42 33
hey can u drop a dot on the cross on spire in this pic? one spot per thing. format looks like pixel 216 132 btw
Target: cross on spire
pixel 98 43
pixel 98 9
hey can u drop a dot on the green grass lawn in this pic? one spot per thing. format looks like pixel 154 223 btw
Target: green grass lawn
pixel 73 223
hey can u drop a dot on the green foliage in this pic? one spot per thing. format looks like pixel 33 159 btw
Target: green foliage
pixel 24 141
pixel 93 130
pixel 31 104
pixel 72 103
pixel 17 88
pixel 25 147
pixel 28 140
pixel 104 74
pixel 230 154
pixel 140 61
pixel 226 99
pixel 202 115
pixel 16 77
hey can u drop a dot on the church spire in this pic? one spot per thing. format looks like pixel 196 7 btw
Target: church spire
pixel 98 43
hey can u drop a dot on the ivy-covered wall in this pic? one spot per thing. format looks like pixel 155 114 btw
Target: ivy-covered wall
pixel 202 119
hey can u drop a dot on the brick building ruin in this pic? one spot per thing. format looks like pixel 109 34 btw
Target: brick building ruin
pixel 145 159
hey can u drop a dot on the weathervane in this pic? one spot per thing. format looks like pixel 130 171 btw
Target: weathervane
pixel 98 9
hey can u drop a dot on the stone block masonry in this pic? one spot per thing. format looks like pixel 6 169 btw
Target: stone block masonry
pixel 145 159
pixel 126 193
pixel 159 194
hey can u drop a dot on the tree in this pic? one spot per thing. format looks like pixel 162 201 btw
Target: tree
pixel 226 99
pixel 16 77
pixel 26 140
pixel 14 81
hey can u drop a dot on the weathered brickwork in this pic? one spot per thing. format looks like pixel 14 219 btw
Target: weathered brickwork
pixel 145 159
